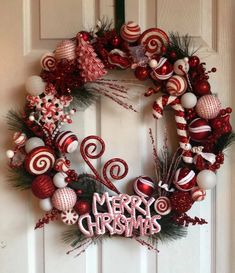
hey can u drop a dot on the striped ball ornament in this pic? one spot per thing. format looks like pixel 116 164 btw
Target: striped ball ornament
pixel 130 32
pixel 198 194
pixel 143 186
pixel 208 107
pixel 64 199
pixel 43 187
pixel 176 85
pixel 66 142
pixel 66 50
pixel 185 179
pixel 199 129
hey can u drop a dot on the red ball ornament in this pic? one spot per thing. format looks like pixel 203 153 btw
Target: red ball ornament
pixel 163 70
pixel 116 41
pixel 199 130
pixel 66 142
pixel 85 35
pixel 43 187
pixel 143 186
pixel 82 207
pixel 172 55
pixel 185 179
pixel 142 73
pixel 181 201
pixel 194 61
pixel 202 87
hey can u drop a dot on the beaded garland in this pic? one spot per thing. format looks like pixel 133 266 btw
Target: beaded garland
pixel 75 72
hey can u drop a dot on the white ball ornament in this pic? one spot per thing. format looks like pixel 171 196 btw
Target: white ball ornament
pixel 46 204
pixel 59 180
pixel 35 86
pixel 188 100
pixel 153 63
pixel 181 66
pixel 206 179
pixel 32 143
pixel 10 153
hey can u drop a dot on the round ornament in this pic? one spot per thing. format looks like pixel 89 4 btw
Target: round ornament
pixel 181 66
pixel 35 86
pixel 162 71
pixel 208 107
pixel 66 142
pixel 62 164
pixel 185 179
pixel 19 139
pixel 45 204
pixel 82 207
pixel 198 194
pixel 181 201
pixel 40 160
pixel 69 217
pixel 64 199
pixel 199 129
pixel 194 61
pixel 43 187
pixel 188 100
pixel 142 73
pixel 176 85
pixel 66 50
pixel 206 179
pixel 130 32
pixel 10 153
pixel 143 186
pixel 202 87
pixel 59 180
pixel 48 61
pixel 162 205
pixel 155 40
pixel 33 143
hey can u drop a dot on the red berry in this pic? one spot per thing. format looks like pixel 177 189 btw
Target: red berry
pixel 229 110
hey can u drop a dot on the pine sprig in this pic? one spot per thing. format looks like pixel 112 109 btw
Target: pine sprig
pixel 104 25
pixel 224 142
pixel 83 98
pixel 19 178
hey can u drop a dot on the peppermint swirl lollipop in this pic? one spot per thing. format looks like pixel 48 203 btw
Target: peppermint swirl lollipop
pixel 48 62
pixel 40 160
pixel 162 205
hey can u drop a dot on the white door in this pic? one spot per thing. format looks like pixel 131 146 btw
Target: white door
pixel 28 28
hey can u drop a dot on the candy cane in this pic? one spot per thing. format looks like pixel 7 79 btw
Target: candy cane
pixel 181 123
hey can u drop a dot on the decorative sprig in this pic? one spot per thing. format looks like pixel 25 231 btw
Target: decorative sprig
pixel 224 142
pixel 19 178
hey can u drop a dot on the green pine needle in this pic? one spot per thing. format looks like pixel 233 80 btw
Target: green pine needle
pixel 82 98
pixel 224 142
pixel 20 179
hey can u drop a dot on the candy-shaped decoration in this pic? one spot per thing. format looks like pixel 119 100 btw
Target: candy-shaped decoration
pixel 48 61
pixel 130 32
pixel 198 194
pixel 66 142
pixel 62 165
pixel 181 66
pixel 199 129
pixel 155 41
pixel 162 205
pixel 185 179
pixel 82 207
pixel 119 58
pixel 162 70
pixel 176 85
pixel 40 160
pixel 19 139
pixel 181 201
pixel 66 50
pixel 206 179
pixel 208 107
pixel 64 199
pixel 188 100
pixel 35 86
pixel 33 143
pixel 45 204
pixel 43 187
pixel 143 186
pixel 69 217
pixel 59 180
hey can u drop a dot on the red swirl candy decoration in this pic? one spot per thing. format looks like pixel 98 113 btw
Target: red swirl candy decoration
pixel 48 61
pixel 154 40
pixel 162 205
pixel 40 160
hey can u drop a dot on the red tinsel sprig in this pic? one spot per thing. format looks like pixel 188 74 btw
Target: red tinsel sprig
pixel 185 220
pixel 48 217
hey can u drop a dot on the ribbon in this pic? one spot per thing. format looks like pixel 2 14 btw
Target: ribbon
pixel 210 157
pixel 165 186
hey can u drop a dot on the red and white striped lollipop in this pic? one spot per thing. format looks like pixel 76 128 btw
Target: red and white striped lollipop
pixel 40 160
pixel 162 205
pixel 19 138
pixel 69 217
pixel 48 61
pixel 130 32
pixel 198 194
pixel 154 40
pixel 176 85
pixel 66 142
pixel 185 179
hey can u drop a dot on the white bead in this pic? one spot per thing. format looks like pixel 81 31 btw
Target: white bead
pixel 59 180
pixel 45 204
pixel 186 59
pixel 31 118
pixel 188 100
pixel 206 179
pixel 32 143
pixel 72 112
pixel 35 85
pixel 10 153
pixel 153 63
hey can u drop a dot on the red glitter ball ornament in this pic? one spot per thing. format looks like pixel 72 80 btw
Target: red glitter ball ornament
pixel 202 87
pixel 199 129
pixel 194 61
pixel 185 179
pixel 43 187
pixel 181 201
pixel 82 207
pixel 143 186
pixel 142 73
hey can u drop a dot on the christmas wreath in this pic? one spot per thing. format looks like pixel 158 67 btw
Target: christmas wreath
pixel 73 77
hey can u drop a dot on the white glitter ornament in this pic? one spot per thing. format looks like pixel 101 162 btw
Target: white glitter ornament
pixel 32 143
pixel 45 204
pixel 35 86
pixel 206 179
pixel 188 100
pixel 59 180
